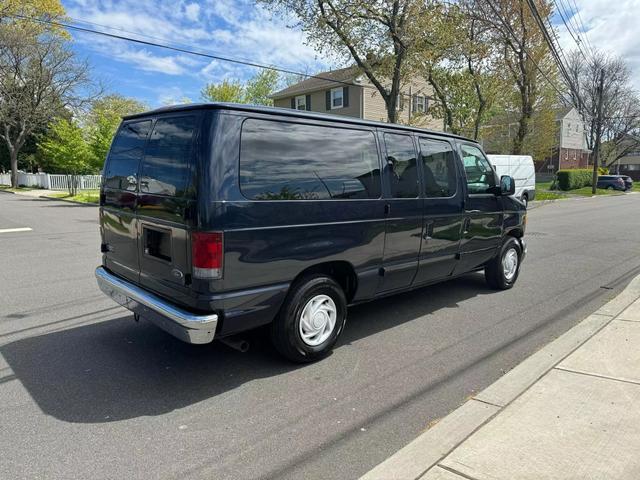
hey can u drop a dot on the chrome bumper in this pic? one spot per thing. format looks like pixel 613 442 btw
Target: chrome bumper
pixel 176 321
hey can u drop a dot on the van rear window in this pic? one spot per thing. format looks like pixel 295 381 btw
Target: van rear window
pixel 289 161
pixel 166 164
pixel 128 146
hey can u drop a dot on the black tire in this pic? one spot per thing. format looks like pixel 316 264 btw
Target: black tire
pixel 494 272
pixel 285 329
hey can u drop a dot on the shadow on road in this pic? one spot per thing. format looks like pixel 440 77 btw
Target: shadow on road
pixel 117 369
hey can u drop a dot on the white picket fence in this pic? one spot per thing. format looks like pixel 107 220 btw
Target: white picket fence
pixel 53 182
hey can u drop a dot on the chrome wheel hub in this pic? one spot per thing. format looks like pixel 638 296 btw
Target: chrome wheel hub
pixel 318 320
pixel 510 263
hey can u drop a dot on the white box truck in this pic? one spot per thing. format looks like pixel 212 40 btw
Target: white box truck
pixel 521 168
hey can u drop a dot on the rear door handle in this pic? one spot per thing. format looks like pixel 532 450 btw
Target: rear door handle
pixel 465 225
pixel 474 211
pixel 387 209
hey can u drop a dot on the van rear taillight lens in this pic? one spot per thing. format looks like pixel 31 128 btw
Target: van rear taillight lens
pixel 206 254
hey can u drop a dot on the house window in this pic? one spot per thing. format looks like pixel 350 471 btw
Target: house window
pixel 301 102
pixel 336 98
pixel 419 104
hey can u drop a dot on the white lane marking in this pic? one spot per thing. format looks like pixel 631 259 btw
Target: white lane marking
pixel 11 230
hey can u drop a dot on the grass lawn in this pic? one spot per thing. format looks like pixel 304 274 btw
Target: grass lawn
pixel 83 196
pixel 7 188
pixel 543 191
pixel 544 195
pixel 543 185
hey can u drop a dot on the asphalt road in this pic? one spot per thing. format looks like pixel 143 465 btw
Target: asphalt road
pixel 85 392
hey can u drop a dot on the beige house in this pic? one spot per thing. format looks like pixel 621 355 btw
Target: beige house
pixel 348 92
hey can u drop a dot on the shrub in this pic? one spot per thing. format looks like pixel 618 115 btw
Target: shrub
pixel 574 178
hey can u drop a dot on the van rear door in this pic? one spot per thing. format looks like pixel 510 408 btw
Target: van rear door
pixel 166 204
pixel 118 219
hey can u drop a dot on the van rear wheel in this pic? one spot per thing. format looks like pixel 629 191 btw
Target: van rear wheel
pixel 310 320
pixel 502 271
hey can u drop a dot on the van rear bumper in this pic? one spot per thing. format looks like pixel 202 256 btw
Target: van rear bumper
pixel 180 323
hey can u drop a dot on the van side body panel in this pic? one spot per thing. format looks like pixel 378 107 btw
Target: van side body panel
pixel 268 243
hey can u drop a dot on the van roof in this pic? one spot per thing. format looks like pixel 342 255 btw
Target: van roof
pixel 289 113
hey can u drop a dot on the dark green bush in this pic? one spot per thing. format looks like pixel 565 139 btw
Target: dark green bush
pixel 574 178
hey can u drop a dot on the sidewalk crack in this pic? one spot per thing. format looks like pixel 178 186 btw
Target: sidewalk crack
pixel 486 402
pixel 597 375
pixel 456 472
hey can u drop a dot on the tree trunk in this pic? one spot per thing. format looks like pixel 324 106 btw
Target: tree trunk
pixel 13 155
pixel 523 125
pixel 448 114
pixel 392 113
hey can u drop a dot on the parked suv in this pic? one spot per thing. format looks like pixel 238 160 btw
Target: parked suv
pixel 615 182
pixel 219 218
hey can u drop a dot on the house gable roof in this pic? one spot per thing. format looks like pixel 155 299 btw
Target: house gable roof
pixel 320 81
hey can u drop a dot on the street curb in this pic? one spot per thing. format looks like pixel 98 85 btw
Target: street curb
pixel 426 451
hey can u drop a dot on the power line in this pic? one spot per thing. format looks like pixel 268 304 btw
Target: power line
pixel 560 7
pixel 554 52
pixel 526 52
pixel 584 28
pixel 212 56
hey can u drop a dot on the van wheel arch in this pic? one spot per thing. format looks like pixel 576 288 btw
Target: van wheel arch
pixel 341 271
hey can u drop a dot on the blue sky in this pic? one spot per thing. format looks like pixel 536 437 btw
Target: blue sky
pixel 236 29
pixel 239 29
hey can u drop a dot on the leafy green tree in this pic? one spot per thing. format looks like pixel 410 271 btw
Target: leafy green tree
pixel 67 151
pixel 230 91
pixel 39 74
pixel 260 86
pixel 103 120
pixel 255 92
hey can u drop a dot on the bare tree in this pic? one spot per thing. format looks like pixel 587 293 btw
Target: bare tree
pixel 619 118
pixel 39 78
pixel 377 36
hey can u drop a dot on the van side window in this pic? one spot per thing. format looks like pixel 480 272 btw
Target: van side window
pixel 439 165
pixel 480 175
pixel 289 161
pixel 165 168
pixel 402 165
pixel 125 154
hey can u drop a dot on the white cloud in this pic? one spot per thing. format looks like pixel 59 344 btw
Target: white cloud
pixel 234 29
pixel 608 26
pixel 192 11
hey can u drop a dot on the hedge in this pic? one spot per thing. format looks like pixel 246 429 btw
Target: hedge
pixel 574 178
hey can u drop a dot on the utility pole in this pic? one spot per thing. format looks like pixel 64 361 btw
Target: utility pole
pixel 596 148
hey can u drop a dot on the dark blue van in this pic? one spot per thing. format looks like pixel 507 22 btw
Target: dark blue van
pixel 219 218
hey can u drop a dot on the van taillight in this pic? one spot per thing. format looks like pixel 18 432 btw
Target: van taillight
pixel 206 254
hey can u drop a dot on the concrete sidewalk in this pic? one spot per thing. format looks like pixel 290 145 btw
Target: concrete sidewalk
pixel 570 411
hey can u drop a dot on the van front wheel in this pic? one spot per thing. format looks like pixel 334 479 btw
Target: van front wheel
pixel 310 320
pixel 502 271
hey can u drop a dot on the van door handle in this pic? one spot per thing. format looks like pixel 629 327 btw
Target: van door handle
pixel 474 211
pixel 387 209
pixel 465 225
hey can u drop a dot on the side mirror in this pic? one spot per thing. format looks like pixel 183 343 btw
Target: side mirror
pixel 507 185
